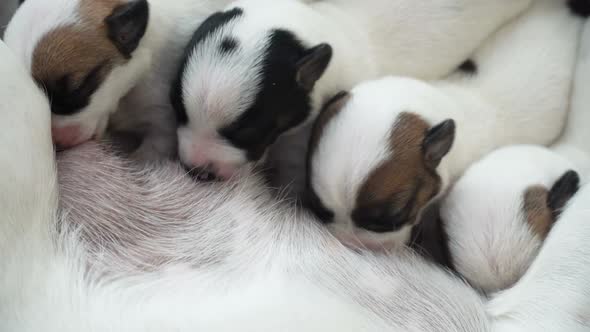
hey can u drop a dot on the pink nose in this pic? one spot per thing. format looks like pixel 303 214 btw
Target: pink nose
pixel 68 136
pixel 204 162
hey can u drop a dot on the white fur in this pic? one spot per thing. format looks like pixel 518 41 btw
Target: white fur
pixel 574 142
pixel 237 261
pixel 138 89
pixel 369 39
pixel 519 95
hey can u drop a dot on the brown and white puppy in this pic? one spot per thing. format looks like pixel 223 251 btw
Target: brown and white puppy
pixel 499 213
pixel 94 57
pixel 383 152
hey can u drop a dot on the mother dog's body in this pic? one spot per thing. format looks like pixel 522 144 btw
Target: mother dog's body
pixel 143 250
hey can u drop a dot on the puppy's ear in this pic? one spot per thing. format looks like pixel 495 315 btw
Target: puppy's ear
pixel 127 25
pixel 313 65
pixel 438 142
pixel 562 191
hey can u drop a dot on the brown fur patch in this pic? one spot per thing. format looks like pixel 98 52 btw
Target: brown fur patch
pixel 404 182
pixel 331 109
pixel 536 211
pixel 73 51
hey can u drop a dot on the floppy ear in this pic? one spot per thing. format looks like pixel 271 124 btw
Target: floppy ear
pixel 438 142
pixel 313 65
pixel 127 24
pixel 562 191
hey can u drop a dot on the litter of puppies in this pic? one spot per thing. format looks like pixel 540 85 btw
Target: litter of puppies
pixel 165 207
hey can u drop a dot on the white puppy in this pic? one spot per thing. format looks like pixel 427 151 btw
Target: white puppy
pixel 150 250
pixel 383 152
pixel 94 57
pixel 263 68
pixel 498 214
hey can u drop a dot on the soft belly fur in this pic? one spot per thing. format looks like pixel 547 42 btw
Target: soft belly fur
pixel 171 237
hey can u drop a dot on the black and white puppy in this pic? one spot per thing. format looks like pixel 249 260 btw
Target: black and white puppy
pixel 263 68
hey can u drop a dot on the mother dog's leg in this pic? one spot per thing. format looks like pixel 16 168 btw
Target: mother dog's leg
pixel 27 172
pixel 28 186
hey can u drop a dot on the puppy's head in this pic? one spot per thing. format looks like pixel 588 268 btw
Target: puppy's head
pixel 85 55
pixel 372 168
pixel 498 214
pixel 243 83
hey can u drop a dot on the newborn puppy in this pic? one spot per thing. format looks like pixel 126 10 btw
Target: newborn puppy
pixel 499 213
pixel 383 152
pixel 263 68
pixel 95 57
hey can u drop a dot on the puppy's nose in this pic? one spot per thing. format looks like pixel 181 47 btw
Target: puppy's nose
pixel 203 174
pixel 67 137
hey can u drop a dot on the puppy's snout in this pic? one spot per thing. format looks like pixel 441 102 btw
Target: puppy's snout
pixel 68 137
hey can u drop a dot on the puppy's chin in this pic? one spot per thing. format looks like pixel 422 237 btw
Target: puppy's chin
pixel 359 239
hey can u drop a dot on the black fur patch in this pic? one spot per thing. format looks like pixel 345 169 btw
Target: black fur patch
pixel 580 7
pixel 430 239
pixel 127 25
pixel 313 203
pixel 67 99
pixel 468 67
pixel 335 98
pixel 228 45
pixel 281 103
pixel 562 191
pixel 208 27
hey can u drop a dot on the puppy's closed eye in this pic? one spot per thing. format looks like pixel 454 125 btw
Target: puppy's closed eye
pixel 69 94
